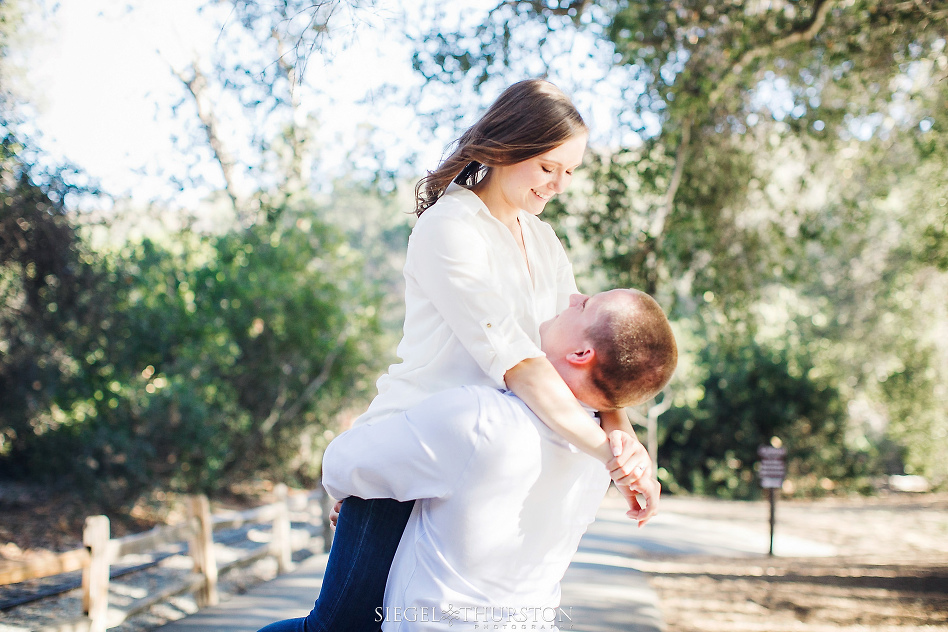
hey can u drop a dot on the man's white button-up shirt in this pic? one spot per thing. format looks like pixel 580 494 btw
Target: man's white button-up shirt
pixel 473 307
pixel 504 504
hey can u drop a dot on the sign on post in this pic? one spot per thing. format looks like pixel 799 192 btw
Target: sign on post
pixel 772 467
pixel 771 473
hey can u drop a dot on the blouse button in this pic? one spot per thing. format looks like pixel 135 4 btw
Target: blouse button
pixel 488 325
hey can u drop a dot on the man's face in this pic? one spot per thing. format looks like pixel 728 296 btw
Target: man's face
pixel 566 333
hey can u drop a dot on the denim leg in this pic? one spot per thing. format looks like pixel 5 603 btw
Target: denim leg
pixel 287 625
pixel 367 536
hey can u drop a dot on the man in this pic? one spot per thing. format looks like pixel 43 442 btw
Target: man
pixel 504 500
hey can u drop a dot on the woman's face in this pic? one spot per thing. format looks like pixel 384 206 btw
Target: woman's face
pixel 530 184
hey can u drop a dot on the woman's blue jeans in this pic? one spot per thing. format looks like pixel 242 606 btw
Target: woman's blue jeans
pixel 350 599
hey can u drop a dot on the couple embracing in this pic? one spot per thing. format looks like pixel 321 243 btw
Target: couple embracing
pixel 475 471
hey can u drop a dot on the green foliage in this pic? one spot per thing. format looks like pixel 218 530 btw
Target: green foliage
pixel 777 170
pixel 750 393
pixel 42 294
pixel 189 364
pixel 185 361
pixel 916 403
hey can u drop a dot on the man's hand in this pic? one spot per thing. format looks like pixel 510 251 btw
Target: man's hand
pixel 334 514
pixel 631 469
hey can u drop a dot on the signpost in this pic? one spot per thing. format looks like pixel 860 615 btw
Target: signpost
pixel 771 473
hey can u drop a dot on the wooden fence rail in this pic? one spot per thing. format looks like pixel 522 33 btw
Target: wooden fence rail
pixel 101 551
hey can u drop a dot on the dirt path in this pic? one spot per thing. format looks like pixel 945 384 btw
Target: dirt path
pixel 890 571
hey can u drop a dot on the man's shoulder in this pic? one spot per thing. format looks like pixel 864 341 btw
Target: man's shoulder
pixel 495 395
pixel 478 404
pixel 501 412
pixel 458 403
pixel 473 396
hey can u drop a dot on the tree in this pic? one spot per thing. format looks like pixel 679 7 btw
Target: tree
pixel 186 360
pixel 750 394
pixel 698 80
pixel 253 105
pixel 764 176
pixel 42 272
pixel 200 363
pixel 43 283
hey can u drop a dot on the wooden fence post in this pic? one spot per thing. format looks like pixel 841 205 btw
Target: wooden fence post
pixel 95 576
pixel 202 550
pixel 283 548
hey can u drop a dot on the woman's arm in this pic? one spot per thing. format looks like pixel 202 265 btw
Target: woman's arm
pixel 451 263
pixel 616 420
pixel 539 385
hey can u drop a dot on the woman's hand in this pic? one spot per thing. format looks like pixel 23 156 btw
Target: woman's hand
pixel 631 460
pixel 334 514
pixel 641 509
pixel 631 469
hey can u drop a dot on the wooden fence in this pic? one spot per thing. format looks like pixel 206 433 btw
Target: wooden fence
pixel 101 551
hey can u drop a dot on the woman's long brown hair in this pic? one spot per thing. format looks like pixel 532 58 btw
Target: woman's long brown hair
pixel 528 119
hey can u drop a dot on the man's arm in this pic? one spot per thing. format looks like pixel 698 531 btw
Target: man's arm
pixel 416 454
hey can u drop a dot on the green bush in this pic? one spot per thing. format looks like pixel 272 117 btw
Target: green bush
pixel 750 394
pixel 187 364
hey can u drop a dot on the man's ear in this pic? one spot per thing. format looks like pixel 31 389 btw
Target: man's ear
pixel 581 358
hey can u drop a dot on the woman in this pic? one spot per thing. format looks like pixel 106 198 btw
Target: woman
pixel 481 274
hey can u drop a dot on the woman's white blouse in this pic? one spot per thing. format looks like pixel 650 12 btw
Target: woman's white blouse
pixel 472 307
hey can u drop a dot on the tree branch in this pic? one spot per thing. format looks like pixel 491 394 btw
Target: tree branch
pixel 297 135
pixel 276 415
pixel 656 410
pixel 795 37
pixel 636 417
pixel 197 86
pixel 278 405
pixel 542 8
pixel 658 223
pixel 918 4
pixel 577 6
pixel 804 33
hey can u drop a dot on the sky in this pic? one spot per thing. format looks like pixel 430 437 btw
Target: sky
pixel 101 85
pixel 100 79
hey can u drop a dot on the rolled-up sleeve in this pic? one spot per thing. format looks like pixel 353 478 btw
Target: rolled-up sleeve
pixel 452 266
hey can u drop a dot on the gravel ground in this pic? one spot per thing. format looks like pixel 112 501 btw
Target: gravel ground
pixel 890 571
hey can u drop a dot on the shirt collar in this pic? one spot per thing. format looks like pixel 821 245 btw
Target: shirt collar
pixel 468 199
pixel 589 409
